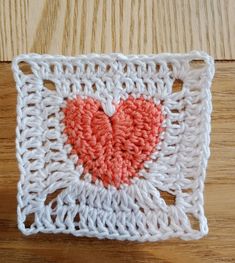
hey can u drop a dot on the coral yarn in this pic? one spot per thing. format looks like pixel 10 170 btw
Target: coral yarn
pixel 113 149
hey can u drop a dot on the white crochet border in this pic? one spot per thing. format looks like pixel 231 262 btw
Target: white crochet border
pixel 135 212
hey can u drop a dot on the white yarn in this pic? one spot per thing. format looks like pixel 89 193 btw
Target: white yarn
pixel 136 211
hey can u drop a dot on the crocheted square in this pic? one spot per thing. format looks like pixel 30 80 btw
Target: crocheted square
pixel 98 149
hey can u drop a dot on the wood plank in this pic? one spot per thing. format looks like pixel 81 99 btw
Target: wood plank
pixel 129 26
pixel 218 246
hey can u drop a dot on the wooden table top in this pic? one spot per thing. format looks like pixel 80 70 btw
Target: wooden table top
pixel 218 246
pixel 72 27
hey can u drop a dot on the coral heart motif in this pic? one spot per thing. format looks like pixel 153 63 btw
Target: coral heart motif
pixel 113 149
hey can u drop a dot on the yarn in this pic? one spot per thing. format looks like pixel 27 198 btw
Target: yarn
pixel 115 148
pixel 98 148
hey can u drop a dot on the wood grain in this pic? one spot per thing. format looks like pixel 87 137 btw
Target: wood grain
pixel 130 26
pixel 218 246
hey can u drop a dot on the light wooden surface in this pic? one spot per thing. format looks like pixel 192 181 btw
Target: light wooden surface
pixel 151 26
pixel 138 26
pixel 218 246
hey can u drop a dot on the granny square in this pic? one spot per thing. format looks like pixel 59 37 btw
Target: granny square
pixel 103 140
